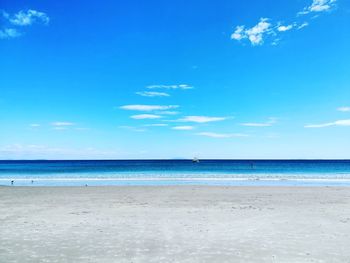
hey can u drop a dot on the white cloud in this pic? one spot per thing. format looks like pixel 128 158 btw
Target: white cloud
pixel 265 29
pixel 26 18
pixel 305 24
pixel 183 128
pixel 34 125
pixel 152 94
pixel 7 33
pixel 145 116
pixel 239 33
pixel 62 124
pixel 22 18
pixel 344 109
pixel 318 6
pixel 269 123
pixel 148 107
pixel 201 119
pixel 285 28
pixel 255 34
pixel 329 124
pixel 181 86
pixel 221 135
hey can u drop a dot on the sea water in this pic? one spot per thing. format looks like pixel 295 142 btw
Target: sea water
pixel 175 172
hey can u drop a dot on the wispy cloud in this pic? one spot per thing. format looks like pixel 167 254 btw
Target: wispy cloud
pixel 9 33
pixel 329 124
pixel 145 116
pixel 267 29
pixel 264 29
pixel 201 119
pixel 221 135
pixel 152 94
pixel 283 28
pixel 268 123
pixel 26 18
pixel 305 24
pixel 181 86
pixel 20 19
pixel 62 124
pixel 318 6
pixel 148 107
pixel 343 109
pixel 183 128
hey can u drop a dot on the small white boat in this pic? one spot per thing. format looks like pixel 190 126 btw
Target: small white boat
pixel 195 160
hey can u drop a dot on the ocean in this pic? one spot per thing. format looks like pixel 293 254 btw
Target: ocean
pixel 175 172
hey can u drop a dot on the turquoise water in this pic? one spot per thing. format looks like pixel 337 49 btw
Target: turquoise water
pixel 170 172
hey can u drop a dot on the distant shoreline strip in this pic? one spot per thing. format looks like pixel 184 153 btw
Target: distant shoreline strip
pixel 178 179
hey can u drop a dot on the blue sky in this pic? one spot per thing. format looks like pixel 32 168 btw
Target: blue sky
pixel 174 79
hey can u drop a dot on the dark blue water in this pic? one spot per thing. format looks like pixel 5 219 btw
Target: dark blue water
pixel 173 172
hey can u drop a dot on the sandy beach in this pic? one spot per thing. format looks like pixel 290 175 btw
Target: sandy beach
pixel 174 224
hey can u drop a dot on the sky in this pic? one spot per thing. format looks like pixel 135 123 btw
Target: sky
pixel 252 79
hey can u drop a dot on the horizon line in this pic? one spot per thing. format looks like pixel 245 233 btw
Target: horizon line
pixel 188 159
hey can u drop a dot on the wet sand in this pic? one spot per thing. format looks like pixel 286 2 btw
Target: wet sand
pixel 174 224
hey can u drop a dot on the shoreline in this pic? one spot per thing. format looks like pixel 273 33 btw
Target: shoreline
pixel 174 179
pixel 276 182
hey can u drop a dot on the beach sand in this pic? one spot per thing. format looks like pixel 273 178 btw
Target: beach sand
pixel 174 224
